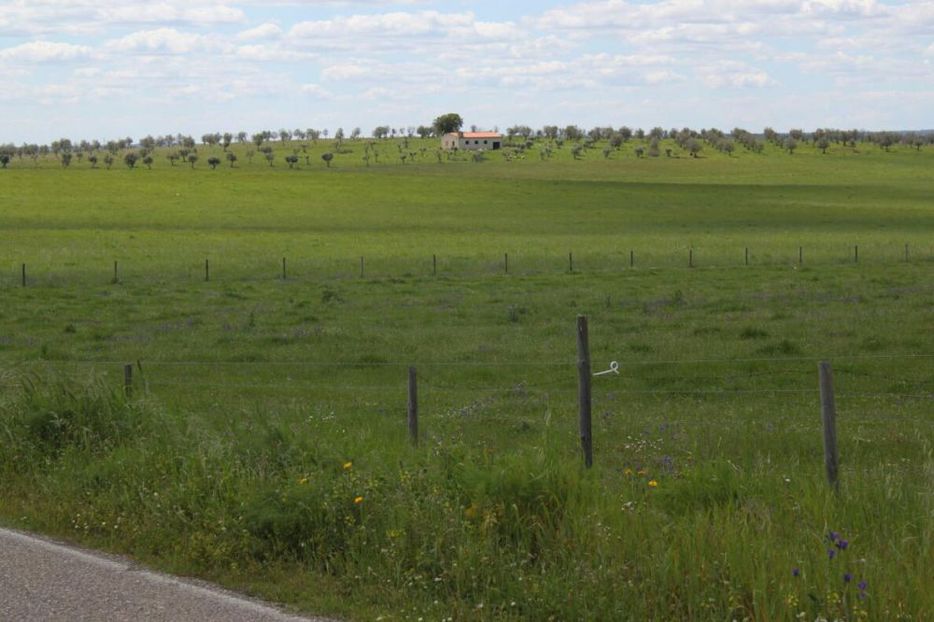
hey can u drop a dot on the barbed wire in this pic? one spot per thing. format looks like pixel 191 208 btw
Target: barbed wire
pixel 534 363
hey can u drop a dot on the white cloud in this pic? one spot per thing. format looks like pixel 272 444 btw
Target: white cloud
pixel 44 51
pixel 263 31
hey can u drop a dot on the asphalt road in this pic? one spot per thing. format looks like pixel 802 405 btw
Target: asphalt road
pixel 42 580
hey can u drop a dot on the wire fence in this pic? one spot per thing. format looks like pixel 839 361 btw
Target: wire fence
pixel 26 272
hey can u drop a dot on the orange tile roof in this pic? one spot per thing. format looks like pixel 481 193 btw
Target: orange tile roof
pixel 482 135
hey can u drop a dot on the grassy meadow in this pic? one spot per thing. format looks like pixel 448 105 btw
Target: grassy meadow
pixel 264 445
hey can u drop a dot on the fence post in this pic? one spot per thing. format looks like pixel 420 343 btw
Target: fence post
pixel 829 418
pixel 128 380
pixel 24 275
pixel 570 262
pixel 413 406
pixel 906 252
pixel 283 268
pixel 800 255
pixel 207 270
pixel 361 267
pixel 856 254
pixel 690 258
pixel 434 265
pixel 583 379
pixel 116 279
pixel 747 255
pixel 506 263
pixel 632 258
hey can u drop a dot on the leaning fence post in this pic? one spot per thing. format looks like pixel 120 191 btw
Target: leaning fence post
pixel 413 406
pixel 829 418
pixel 128 380
pixel 583 379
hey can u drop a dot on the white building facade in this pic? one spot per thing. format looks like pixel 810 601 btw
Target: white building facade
pixel 472 141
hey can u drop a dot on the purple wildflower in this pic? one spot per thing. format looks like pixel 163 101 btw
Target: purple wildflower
pixel 862 585
pixel 796 572
pixel 847 577
pixel 832 536
pixel 842 544
pixel 831 553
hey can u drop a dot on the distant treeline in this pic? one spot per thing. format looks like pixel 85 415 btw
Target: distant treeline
pixel 184 147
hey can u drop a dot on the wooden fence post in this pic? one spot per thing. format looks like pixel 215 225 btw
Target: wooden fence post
pixel 570 262
pixel 690 258
pixel 632 258
pixel 747 255
pixel 361 267
pixel 856 254
pixel 584 399
pixel 906 252
pixel 506 263
pixel 207 270
pixel 829 418
pixel 413 406
pixel 128 380
pixel 116 279
pixel 800 255
pixel 24 275
pixel 434 265
pixel 283 268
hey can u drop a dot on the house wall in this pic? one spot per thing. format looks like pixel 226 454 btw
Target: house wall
pixel 452 141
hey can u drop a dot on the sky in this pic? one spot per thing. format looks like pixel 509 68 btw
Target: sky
pixel 86 69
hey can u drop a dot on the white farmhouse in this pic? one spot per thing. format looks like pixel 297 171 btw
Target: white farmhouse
pixel 474 141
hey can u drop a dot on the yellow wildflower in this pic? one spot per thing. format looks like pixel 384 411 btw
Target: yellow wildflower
pixel 348 466
pixel 358 500
pixel 653 483
pixel 627 471
pixel 303 480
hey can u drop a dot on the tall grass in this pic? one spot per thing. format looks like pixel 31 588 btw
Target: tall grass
pixel 517 531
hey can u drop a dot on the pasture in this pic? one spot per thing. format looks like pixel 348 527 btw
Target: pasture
pixel 264 444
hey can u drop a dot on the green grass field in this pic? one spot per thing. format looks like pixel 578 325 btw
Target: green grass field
pixel 265 443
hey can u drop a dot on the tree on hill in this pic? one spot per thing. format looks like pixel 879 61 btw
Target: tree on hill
pixel 694 147
pixel 172 158
pixel 231 157
pixel 327 157
pixel 66 159
pixel 791 144
pixel 213 161
pixel 93 160
pixel 130 159
pixel 148 162
pixel 291 160
pixel 4 159
pixel 108 161
pixel 270 156
pixel 192 158
pixel 823 144
pixel 447 123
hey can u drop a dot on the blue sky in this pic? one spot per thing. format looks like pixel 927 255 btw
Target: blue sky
pixel 111 68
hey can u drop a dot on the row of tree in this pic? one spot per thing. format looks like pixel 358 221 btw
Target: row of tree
pixel 518 137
